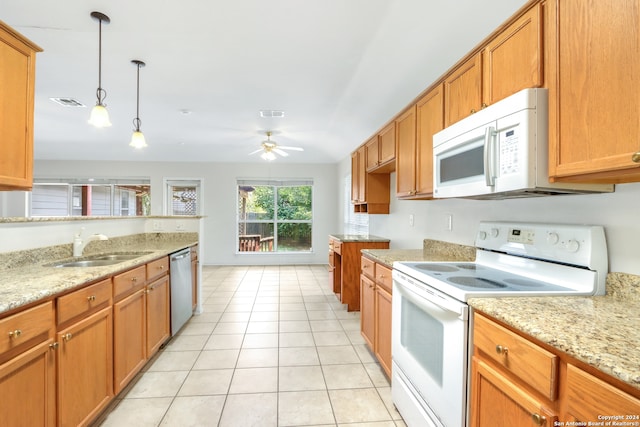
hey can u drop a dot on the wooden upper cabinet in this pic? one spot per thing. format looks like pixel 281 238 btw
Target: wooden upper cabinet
pixel 406 153
pixel 362 176
pixel 17 74
pixel 355 189
pixel 369 191
pixel 594 98
pixel 463 90
pixel 381 151
pixel 512 61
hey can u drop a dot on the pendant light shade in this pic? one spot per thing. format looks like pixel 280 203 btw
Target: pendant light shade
pixel 99 114
pixel 137 139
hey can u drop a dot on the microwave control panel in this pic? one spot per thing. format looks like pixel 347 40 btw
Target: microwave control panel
pixel 509 151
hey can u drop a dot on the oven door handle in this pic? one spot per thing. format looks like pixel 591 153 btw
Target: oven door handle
pixel 432 301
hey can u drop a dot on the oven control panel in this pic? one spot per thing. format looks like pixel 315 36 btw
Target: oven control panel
pixel 582 245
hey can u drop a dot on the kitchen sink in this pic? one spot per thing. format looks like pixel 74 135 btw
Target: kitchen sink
pixel 99 260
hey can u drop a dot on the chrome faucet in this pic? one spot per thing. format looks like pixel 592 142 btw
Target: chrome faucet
pixel 79 244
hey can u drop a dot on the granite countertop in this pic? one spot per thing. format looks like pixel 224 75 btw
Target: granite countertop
pixel 358 238
pixel 433 250
pixel 29 278
pixel 602 331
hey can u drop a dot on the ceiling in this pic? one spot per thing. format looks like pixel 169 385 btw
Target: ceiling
pixel 339 69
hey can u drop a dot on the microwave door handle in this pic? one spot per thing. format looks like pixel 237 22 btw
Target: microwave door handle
pixel 489 173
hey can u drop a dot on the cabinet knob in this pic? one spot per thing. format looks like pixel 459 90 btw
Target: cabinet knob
pixel 67 336
pixel 484 105
pixel 635 157
pixel 473 110
pixel 134 279
pixel 538 419
pixel 15 334
pixel 91 298
pixel 53 346
pixel 502 350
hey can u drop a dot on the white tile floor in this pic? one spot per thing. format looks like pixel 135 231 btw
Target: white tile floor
pixel 273 347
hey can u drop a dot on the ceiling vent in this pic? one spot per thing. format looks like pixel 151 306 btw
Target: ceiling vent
pixel 68 102
pixel 271 113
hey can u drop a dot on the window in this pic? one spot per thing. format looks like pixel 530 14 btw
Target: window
pixel 91 198
pixel 275 216
pixel 183 197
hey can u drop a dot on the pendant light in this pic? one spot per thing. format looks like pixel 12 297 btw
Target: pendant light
pixel 99 114
pixel 137 139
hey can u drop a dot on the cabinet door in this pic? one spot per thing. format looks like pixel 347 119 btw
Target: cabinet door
pixel 372 154
pixel 594 101
pixel 588 397
pixel 498 402
pixel 406 153
pixel 383 329
pixel 387 144
pixel 27 387
pixel 362 176
pixel 430 120
pixel 129 338
pixel 463 90
pixel 367 310
pixel 17 75
pixel 355 185
pixel 158 324
pixel 512 61
pixel 85 363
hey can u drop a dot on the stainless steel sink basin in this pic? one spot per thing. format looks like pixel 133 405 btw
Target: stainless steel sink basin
pixel 99 260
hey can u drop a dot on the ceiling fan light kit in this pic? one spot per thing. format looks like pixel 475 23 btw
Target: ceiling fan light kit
pixel 268 148
pixel 99 114
pixel 137 139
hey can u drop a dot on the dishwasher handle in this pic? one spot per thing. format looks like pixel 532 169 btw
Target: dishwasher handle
pixel 181 255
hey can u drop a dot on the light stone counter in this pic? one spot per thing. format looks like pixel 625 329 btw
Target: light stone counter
pixel 358 238
pixel 433 250
pixel 25 277
pixel 602 331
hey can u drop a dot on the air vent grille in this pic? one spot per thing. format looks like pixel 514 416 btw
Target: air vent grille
pixel 68 102
pixel 271 113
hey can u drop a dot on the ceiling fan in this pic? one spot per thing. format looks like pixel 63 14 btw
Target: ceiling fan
pixel 269 147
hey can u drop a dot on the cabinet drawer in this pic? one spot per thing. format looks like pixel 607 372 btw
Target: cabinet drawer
pixel 127 282
pixel 383 277
pixel 368 267
pixel 337 247
pixel 588 397
pixel 84 301
pixel 158 267
pixel 22 327
pixel 534 365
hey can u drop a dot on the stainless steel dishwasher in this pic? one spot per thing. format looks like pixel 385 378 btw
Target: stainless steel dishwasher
pixel 181 297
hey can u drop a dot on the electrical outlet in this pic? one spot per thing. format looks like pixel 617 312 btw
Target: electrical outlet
pixel 411 220
pixel 180 225
pixel 157 225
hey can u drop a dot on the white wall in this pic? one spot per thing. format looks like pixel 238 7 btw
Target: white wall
pixel 618 212
pixel 219 196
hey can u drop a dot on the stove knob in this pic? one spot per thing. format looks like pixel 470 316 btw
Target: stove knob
pixel 572 246
pixel 482 235
pixel 495 232
pixel 552 238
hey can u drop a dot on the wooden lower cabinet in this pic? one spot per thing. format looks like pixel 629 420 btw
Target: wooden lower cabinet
pixel 85 369
pixel 383 329
pixel 514 383
pixel 375 310
pixel 158 315
pixel 129 338
pixel 27 387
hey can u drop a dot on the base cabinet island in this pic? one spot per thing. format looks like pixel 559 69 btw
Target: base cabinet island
pixel 344 265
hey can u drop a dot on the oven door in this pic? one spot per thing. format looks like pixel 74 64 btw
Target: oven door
pixel 430 354
pixel 465 165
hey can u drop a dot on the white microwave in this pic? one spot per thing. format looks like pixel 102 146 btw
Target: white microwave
pixel 500 152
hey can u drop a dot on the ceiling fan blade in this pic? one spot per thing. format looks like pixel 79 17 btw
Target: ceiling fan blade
pixel 291 148
pixel 257 151
pixel 279 151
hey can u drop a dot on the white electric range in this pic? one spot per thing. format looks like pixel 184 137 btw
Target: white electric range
pixel 431 319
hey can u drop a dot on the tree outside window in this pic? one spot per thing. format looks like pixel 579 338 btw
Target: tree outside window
pixel 274 218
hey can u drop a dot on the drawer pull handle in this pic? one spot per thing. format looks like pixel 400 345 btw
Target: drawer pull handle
pixel 502 350
pixel 53 346
pixel 538 419
pixel 635 157
pixel 15 334
pixel 161 267
pixel 134 279
pixel 91 298
pixel 67 336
